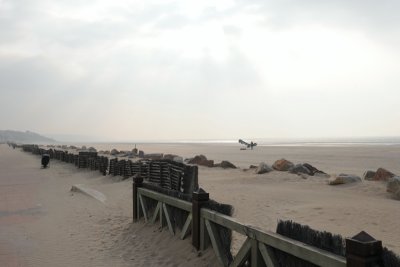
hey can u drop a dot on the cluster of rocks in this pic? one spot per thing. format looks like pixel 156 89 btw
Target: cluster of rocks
pixel 288 166
pixel 203 161
pixel 381 174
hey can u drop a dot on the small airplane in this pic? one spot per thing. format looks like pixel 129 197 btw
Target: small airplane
pixel 248 145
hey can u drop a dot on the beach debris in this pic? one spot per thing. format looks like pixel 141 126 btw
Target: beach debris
pixel 300 168
pixel 369 175
pixel 393 186
pixel 201 160
pixel 344 179
pixel 225 165
pixel 382 175
pixel 114 152
pixel 282 165
pixel 263 168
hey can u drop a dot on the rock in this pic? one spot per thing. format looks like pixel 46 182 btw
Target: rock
pixel 83 148
pixel 141 154
pixel 369 175
pixel 92 149
pixel 393 186
pixel 225 165
pixel 114 152
pixel 107 152
pixel 178 159
pixel 134 151
pixel 253 167
pixel 312 169
pixel 382 175
pixel 263 168
pixel 344 179
pixel 170 156
pixel 282 165
pixel 201 160
pixel 299 168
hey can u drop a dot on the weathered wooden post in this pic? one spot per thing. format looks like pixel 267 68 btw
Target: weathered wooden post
pixel 199 198
pixel 137 183
pixel 362 250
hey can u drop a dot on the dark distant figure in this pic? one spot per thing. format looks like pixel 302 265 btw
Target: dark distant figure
pixel 45 160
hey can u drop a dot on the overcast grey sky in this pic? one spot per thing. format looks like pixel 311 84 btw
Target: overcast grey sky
pixel 129 70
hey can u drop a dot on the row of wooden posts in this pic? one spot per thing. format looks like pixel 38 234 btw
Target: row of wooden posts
pixel 361 250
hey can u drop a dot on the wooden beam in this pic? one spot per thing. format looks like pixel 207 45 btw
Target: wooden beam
pixel 156 212
pixel 268 255
pixel 143 207
pixel 216 242
pixel 242 254
pixel 166 214
pixel 293 247
pixel 175 202
pixel 186 226
pixel 255 261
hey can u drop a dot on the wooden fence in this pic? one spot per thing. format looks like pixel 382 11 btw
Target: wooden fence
pixel 258 249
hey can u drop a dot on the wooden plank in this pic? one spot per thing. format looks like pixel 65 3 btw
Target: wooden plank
pixel 168 219
pixel 143 207
pixel 242 253
pixel 156 212
pixel 203 235
pixel 254 253
pixel 293 247
pixel 186 226
pixel 268 255
pixel 175 202
pixel 216 242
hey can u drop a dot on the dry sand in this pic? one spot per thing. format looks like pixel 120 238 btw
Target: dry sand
pixel 63 228
pixel 74 230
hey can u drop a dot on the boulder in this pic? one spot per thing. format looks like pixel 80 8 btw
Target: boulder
pixel 253 167
pixel 92 149
pixel 263 168
pixel 312 169
pixel 393 186
pixel 170 156
pixel 201 160
pixel 178 159
pixel 141 154
pixel 225 165
pixel 299 168
pixel 282 165
pixel 114 152
pixel 344 179
pixel 382 175
pixel 83 148
pixel 369 175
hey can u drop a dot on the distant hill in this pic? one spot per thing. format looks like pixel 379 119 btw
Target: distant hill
pixel 23 137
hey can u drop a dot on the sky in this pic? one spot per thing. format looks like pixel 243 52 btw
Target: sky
pixel 182 70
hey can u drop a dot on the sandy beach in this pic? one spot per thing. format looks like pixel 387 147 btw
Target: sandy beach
pixel 70 229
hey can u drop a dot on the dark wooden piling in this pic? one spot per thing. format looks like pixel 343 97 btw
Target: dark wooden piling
pixel 363 250
pixel 198 200
pixel 137 182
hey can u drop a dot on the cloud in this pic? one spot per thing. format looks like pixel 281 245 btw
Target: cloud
pixel 158 63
